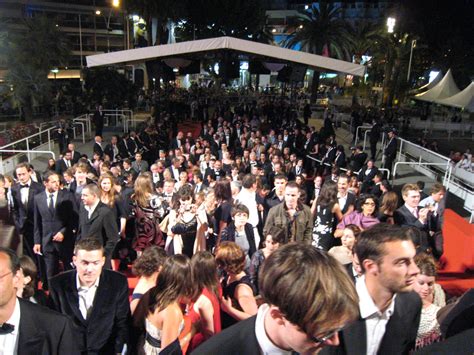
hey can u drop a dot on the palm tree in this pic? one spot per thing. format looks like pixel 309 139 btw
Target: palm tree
pixel 30 55
pixel 319 29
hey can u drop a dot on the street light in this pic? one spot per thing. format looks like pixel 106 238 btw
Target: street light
pixel 391 24
pixel 413 45
pixel 115 4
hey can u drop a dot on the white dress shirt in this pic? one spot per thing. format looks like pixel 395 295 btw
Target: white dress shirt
pixel 86 296
pixel 375 321
pixel 342 201
pixel 265 344
pixel 25 192
pixel 48 197
pixel 9 342
pixel 90 210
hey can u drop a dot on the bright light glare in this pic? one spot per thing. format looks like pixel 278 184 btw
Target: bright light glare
pixel 98 12
pixel 433 75
pixel 390 24
pixel 115 3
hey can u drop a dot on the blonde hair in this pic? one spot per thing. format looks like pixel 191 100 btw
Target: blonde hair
pixel 143 188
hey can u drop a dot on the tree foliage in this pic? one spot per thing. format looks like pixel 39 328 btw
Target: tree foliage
pixel 318 29
pixel 104 85
pixel 30 55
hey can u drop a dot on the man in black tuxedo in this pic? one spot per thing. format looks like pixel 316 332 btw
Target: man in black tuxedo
pixel 23 194
pixel 178 141
pixel 65 163
pixel 74 153
pixel 409 215
pixel 97 148
pixel 374 137
pixel 358 158
pixel 97 220
pixel 95 299
pixel 56 221
pixel 112 149
pixel 98 120
pixel 389 309
pixel 26 327
pixel 366 175
pixel 390 151
pixel 304 321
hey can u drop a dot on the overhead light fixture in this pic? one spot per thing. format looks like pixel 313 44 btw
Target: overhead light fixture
pixel 98 12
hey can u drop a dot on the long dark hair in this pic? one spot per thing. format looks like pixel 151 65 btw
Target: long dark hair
pixel 204 274
pixel 173 282
pixel 328 195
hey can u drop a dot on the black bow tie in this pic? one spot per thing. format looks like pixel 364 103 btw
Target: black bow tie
pixel 24 186
pixel 6 328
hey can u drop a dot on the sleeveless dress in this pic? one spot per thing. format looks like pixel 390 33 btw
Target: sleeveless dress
pixel 152 344
pixel 188 231
pixel 229 291
pixel 198 338
pixel 323 228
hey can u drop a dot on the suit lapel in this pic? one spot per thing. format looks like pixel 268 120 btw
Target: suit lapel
pixel 30 338
pixel 395 332
pixel 73 297
pixel 355 338
pixel 96 213
pixel 101 296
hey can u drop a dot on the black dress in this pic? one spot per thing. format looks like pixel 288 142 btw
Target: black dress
pixel 228 291
pixel 188 231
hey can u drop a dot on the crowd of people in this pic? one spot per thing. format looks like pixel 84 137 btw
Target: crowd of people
pixel 252 236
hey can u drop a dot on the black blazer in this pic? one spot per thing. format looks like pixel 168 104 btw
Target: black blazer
pixel 403 217
pixel 228 234
pixel 61 166
pixel 24 217
pixel 102 225
pixel 44 332
pixel 106 329
pixel 400 333
pixel 75 157
pixel 64 220
pixel 236 340
pixel 98 149
pixel 391 148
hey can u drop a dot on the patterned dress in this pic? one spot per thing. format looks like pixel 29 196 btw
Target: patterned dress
pixel 428 330
pixel 323 228
pixel 147 224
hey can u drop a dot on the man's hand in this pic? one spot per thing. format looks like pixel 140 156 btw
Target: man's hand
pixel 37 249
pixel 59 237
pixel 423 215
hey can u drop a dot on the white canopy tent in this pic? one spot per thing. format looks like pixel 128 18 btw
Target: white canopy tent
pixel 463 99
pixel 444 89
pixel 253 49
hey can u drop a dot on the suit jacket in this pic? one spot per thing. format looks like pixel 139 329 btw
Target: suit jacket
pixel 110 152
pixel 105 330
pixel 391 148
pixel 174 143
pixel 23 216
pixel 236 340
pixel 44 332
pixel 403 217
pixel 348 268
pixel 98 149
pixel 102 225
pixel 143 167
pixel 400 332
pixel 357 161
pixel 61 166
pixel 75 157
pixel 64 220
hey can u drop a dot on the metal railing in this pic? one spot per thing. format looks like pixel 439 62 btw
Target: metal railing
pixel 387 171
pixel 123 118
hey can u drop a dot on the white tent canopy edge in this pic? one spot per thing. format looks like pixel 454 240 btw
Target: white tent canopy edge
pixel 168 50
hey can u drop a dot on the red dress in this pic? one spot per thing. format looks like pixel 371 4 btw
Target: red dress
pixel 194 316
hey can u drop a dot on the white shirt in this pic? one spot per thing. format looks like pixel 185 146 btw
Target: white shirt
pixel 86 296
pixel 25 192
pixel 90 210
pixel 342 201
pixel 247 198
pixel 9 342
pixel 375 321
pixel 265 344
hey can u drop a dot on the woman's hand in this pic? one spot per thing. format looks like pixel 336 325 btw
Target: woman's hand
pixel 226 304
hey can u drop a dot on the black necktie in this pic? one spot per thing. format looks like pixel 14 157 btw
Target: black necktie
pixel 24 186
pixel 51 203
pixel 6 328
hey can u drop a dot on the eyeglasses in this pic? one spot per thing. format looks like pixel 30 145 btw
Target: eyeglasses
pixel 8 273
pixel 325 337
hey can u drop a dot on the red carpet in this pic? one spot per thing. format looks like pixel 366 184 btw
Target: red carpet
pixel 190 126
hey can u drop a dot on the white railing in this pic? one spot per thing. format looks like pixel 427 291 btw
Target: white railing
pixel 387 171
pixel 123 118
